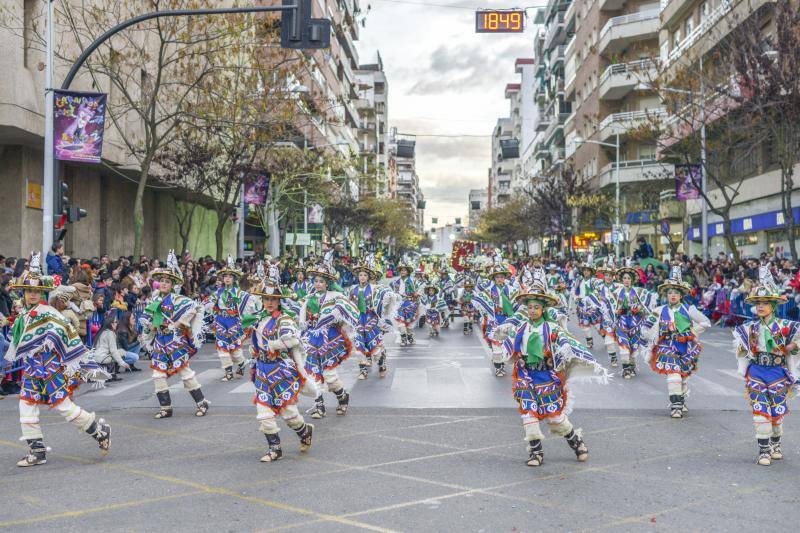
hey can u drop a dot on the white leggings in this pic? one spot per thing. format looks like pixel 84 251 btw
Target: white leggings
pixel 29 417
pixel 228 359
pixel 559 425
pixel 186 374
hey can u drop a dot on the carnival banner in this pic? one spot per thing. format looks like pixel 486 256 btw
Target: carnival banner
pixel 687 181
pixel 255 192
pixel 78 126
pixel 461 251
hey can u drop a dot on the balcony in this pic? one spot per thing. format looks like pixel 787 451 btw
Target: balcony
pixel 544 121
pixel 569 17
pixel 612 5
pixel 621 123
pixel 557 56
pixel 670 56
pixel 618 80
pixel 555 31
pixel 629 172
pixel 619 32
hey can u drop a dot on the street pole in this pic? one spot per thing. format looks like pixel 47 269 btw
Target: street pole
pixel 242 209
pixel 703 181
pixel 616 204
pixel 48 187
pixel 305 220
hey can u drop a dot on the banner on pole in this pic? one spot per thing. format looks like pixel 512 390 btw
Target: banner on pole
pixel 255 192
pixel 687 181
pixel 78 126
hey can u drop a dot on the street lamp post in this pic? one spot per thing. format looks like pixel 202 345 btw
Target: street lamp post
pixel 616 146
pixel 703 152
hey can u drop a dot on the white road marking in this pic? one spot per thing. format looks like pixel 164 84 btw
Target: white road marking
pixel 713 387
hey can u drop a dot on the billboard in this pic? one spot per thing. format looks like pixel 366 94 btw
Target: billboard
pixel 78 126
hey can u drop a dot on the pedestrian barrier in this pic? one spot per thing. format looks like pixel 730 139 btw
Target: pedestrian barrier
pixel 728 308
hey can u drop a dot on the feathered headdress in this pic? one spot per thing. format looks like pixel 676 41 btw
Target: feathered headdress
pixel 675 281
pixel 230 268
pixel 172 270
pixel 766 290
pixel 32 278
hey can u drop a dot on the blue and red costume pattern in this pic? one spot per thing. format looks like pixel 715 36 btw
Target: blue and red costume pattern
pixel 276 378
pixel 540 390
pixel 368 335
pixel 172 350
pixel 325 341
pixel 587 307
pixel 407 314
pixel 625 326
pixel 674 352
pixel 768 386
pixel 229 308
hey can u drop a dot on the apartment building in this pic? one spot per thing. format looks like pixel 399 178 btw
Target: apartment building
pixel 611 60
pixel 373 128
pixel 402 163
pixel 500 173
pixel 478 200
pixel 328 118
pixel 694 28
pixel 552 106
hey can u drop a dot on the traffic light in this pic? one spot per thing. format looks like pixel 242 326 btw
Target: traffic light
pixel 62 198
pixel 74 214
pixel 300 31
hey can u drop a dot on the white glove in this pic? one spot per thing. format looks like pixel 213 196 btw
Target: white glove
pixel 276 345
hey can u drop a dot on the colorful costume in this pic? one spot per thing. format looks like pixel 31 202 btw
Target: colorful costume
pixel 53 359
pixel 467 308
pixel 325 319
pixel 376 306
pixel 495 304
pixel 627 307
pixel 447 289
pixel 547 358
pixel 586 307
pixel 172 326
pixel 234 311
pixel 409 310
pixel 672 331
pixel 435 309
pixel 277 371
pixel 768 359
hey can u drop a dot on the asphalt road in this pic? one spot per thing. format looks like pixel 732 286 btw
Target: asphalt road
pixel 435 446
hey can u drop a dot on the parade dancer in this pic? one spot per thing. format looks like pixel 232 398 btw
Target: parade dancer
pixel 376 305
pixel 408 312
pixel 52 358
pixel 234 310
pixel 767 356
pixel 672 329
pixel 546 358
pixel 277 371
pixel 558 287
pixel 172 328
pixel 448 292
pixel 467 309
pixel 604 300
pixel 301 285
pixel 631 305
pixel 434 308
pixel 326 317
pixel 588 313
pixel 495 304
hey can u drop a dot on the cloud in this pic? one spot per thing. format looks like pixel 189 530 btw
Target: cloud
pixel 463 148
pixel 467 68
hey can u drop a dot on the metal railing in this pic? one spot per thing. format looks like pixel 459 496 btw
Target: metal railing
pixel 641 16
pixel 706 24
pixel 627 68
pixel 631 116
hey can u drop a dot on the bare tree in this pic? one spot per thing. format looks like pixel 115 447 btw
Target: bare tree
pixel 767 70
pixel 151 69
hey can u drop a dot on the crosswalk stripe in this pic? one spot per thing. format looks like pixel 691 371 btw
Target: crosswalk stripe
pixel 712 386
pixel 202 378
pixel 245 388
pixel 113 389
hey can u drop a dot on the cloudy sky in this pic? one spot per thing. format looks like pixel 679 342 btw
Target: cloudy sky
pixel 444 79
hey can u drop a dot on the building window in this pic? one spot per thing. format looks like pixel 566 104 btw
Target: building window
pixel 676 38
pixel 689 25
pixel 704 10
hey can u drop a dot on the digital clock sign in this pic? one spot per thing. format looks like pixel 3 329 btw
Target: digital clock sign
pixel 500 21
